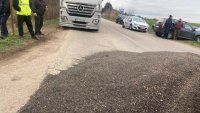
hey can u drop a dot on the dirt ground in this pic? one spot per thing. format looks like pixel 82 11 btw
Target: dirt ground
pixel 123 82
pixel 22 70
pixel 22 73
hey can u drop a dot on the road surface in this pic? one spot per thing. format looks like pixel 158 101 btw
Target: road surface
pixel 22 73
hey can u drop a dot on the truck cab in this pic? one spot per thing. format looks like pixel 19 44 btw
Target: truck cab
pixel 84 14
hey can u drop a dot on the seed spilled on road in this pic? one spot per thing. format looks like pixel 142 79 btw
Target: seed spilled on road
pixel 123 82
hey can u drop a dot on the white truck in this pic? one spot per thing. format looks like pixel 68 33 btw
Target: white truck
pixel 84 14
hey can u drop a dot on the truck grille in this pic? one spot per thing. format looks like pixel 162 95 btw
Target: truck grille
pixel 81 10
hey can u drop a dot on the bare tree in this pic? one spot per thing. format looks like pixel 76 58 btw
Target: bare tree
pixel 131 12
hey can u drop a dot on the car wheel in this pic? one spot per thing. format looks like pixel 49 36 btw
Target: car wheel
pixel 131 27
pixel 123 25
pixel 170 36
pixel 158 34
pixel 197 38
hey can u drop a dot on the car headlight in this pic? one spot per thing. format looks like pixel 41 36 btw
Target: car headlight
pixel 135 24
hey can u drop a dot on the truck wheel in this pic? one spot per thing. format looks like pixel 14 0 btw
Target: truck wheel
pixel 197 38
pixel 64 27
pixel 158 34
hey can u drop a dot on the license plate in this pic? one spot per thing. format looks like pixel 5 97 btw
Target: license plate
pixel 79 20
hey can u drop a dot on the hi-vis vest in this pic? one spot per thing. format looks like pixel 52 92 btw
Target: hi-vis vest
pixel 25 8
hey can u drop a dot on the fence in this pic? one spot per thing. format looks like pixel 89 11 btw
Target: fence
pixel 53 11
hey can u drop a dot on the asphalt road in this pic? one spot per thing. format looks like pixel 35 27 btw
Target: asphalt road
pixel 68 48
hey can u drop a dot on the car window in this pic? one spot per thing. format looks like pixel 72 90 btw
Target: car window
pixel 138 19
pixel 127 19
pixel 188 27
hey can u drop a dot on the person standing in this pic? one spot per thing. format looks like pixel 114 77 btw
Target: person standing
pixel 24 11
pixel 4 15
pixel 168 26
pixel 39 7
pixel 178 26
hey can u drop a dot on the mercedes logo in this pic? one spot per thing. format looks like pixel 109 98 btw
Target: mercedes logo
pixel 80 8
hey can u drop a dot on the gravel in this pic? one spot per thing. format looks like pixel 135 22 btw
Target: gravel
pixel 123 82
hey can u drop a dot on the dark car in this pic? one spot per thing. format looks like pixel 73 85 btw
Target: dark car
pixel 120 19
pixel 187 32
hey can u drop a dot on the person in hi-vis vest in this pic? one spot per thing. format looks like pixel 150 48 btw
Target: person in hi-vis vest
pixel 24 11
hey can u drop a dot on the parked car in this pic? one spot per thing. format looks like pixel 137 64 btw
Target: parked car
pixel 187 32
pixel 135 23
pixel 120 19
pixel 197 29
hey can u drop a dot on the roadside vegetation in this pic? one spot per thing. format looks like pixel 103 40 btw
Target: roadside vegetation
pixel 14 42
pixel 195 24
pixel 193 43
pixel 150 22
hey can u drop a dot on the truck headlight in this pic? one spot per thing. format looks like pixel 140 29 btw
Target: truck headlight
pixel 98 7
pixel 64 18
pixel 95 21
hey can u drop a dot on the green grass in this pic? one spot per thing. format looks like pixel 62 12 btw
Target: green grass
pixel 13 42
pixel 193 43
pixel 195 24
pixel 52 22
pixel 151 22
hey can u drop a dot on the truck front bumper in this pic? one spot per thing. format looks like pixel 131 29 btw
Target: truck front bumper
pixel 79 22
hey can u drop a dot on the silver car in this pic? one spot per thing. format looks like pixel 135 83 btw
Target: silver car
pixel 135 23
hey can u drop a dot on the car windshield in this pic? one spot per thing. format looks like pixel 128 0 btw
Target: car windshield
pixel 138 19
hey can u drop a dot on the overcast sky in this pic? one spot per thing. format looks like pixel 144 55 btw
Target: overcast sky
pixel 189 10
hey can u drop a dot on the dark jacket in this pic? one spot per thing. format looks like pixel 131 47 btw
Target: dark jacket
pixel 39 7
pixel 4 7
pixel 16 5
pixel 168 23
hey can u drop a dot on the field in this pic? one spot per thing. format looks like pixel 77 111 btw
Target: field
pixel 195 24
pixel 150 22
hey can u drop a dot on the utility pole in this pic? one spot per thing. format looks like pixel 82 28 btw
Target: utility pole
pixel 12 17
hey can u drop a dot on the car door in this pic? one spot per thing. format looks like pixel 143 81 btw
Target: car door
pixel 187 32
pixel 125 22
pixel 128 22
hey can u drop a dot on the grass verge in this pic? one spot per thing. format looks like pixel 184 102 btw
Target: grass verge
pixel 13 42
pixel 193 43
pixel 151 22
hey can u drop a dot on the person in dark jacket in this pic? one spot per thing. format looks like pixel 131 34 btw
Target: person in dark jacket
pixel 4 15
pixel 39 8
pixel 24 11
pixel 168 26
